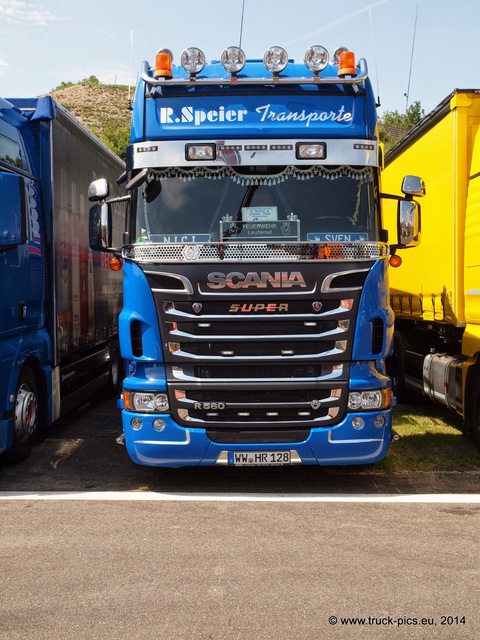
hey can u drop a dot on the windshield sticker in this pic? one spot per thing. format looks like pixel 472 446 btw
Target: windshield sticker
pixel 337 237
pixel 259 214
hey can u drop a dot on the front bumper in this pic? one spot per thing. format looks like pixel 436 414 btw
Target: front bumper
pixel 177 446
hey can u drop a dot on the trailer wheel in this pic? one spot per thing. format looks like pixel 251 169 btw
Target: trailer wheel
pixel 27 418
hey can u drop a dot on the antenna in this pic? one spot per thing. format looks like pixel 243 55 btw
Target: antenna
pixel 130 72
pixel 411 61
pixel 375 56
pixel 241 24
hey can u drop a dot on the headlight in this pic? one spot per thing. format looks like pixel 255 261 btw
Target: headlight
pixel 145 402
pixel 369 400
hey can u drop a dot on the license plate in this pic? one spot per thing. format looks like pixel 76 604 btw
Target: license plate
pixel 258 458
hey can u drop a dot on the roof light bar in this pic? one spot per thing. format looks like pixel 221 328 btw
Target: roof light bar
pixel 233 60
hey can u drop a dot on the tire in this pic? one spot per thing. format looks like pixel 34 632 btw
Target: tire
pixel 475 410
pixel 26 418
pixel 115 379
pixel 396 367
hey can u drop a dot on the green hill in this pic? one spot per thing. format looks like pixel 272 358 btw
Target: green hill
pixel 101 108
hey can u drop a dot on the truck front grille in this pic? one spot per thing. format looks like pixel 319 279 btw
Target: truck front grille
pixel 273 361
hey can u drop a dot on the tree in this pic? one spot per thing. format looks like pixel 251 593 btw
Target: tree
pixel 116 137
pixel 91 81
pixel 399 123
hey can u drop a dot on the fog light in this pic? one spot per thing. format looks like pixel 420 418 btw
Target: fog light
pixel 275 59
pixel 311 150
pixel 379 421
pixel 136 424
pixel 158 424
pixel 192 60
pixel 316 58
pixel 358 423
pixel 337 53
pixel 201 152
pixel 233 59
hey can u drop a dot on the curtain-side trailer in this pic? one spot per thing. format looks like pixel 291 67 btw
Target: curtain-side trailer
pixel 435 294
pixel 60 300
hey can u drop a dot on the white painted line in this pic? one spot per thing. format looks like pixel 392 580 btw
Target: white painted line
pixel 431 498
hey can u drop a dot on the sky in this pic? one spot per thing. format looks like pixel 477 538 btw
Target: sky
pixel 416 50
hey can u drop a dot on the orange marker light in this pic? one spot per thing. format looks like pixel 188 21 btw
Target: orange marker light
pixel 346 64
pixel 115 264
pixel 163 64
pixel 395 261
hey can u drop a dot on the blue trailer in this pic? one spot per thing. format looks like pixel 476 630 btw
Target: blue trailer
pixel 59 300
pixel 256 317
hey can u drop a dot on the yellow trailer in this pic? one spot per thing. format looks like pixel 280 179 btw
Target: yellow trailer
pixel 435 293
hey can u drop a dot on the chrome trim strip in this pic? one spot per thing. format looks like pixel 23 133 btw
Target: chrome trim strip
pixel 326 288
pixel 178 374
pixel 352 440
pixel 260 405
pixel 187 285
pixel 358 152
pixel 176 335
pixel 172 443
pixel 310 422
pixel 275 358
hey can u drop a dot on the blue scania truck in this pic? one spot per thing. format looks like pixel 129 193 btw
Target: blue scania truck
pixel 256 317
pixel 59 300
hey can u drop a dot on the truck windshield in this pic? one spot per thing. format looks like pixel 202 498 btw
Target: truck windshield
pixel 216 204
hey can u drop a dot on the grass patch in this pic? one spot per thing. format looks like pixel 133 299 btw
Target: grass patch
pixel 429 439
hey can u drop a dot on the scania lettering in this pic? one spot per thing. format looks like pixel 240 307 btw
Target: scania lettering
pixel 237 280
pixel 256 318
pixel 60 301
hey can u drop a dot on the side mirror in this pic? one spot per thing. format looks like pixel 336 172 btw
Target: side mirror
pixel 98 190
pixel 408 223
pixel 413 186
pixel 13 213
pixel 100 227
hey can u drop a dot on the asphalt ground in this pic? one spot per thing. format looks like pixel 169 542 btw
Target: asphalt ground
pixel 94 547
pixel 81 453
